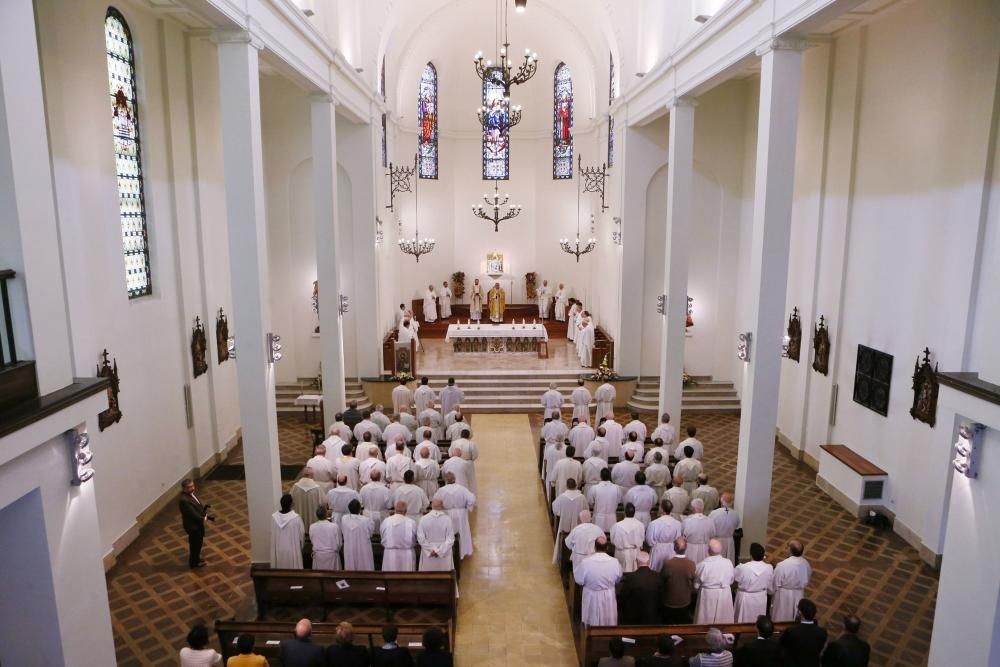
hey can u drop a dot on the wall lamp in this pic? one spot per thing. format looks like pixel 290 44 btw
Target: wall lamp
pixel 273 348
pixel 80 456
pixel 743 341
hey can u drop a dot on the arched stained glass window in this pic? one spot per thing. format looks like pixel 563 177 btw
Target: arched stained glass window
pixel 128 152
pixel 611 80
pixel 611 141
pixel 385 143
pixel 562 123
pixel 381 79
pixel 496 132
pixel 427 120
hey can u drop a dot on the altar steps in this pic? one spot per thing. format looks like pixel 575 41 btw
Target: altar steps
pixel 708 395
pixel 285 393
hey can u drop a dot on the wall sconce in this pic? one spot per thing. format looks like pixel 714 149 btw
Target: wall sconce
pixel 379 233
pixel 616 234
pixel 80 456
pixel 661 304
pixel 231 346
pixel 786 340
pixel 273 348
pixel 970 440
pixel 343 303
pixel 743 345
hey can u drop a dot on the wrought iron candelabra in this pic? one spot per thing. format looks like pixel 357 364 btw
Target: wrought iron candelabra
pixel 491 212
pixel 416 246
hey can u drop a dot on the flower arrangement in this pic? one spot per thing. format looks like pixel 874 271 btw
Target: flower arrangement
pixel 403 376
pixel 458 284
pixel 687 380
pixel 604 372
pixel 530 279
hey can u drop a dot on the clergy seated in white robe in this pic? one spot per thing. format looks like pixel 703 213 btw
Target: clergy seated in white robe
pixel 376 499
pixel 598 574
pixel 552 402
pixel 753 579
pixel 379 418
pixel 623 474
pixel 427 441
pixel 394 431
pixel 688 469
pixel 580 541
pixel 692 442
pixel 544 296
pixel 678 497
pixel 708 494
pixel 457 501
pixel 444 301
pixel 397 465
pixel 326 541
pixel 307 496
pixel 402 397
pixel 561 304
pixel 399 539
pixel 713 579
pixel 634 445
pixel 791 576
pixel 564 470
pixel 427 472
pixel 339 498
pixel 604 499
pixel 287 536
pixel 322 469
pixel 430 305
pixel 436 536
pixel 580 398
pixel 406 333
pixel 411 494
pixel 605 397
pixel 554 428
pixel 660 536
pixel 598 446
pixel 367 470
pixel 357 531
pixel 635 426
pixel 665 431
pixel 455 431
pixel 567 508
pixel 698 530
pixel 585 342
pixel 726 522
pixel 451 397
pixel 658 474
pixel 591 472
pixel 627 535
pixel 423 397
pixel 348 466
pixel 581 435
pixel 643 497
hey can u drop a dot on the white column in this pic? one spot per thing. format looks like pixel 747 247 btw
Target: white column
pixel 680 181
pixel 239 94
pixel 635 149
pixel 772 215
pixel 324 145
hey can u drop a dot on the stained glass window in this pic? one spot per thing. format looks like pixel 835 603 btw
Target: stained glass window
pixel 562 123
pixel 381 79
pixel 496 132
pixel 128 153
pixel 611 141
pixel 427 119
pixel 385 144
pixel 611 80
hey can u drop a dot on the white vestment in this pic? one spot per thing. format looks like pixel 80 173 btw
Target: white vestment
pixel 451 398
pixel 414 497
pixel 658 477
pixel 554 429
pixel 445 299
pixel 399 539
pixel 367 426
pixel 637 427
pixel 367 449
pixel 574 313
pixel 627 535
pixel 623 474
pixel 580 436
pixel 643 498
pixel 753 579
pixel 604 499
pixel 464 471
pixel 580 542
pixel 395 467
pixel 698 530
pixel 693 443
pixel 660 536
pixel 339 498
pixel 605 396
pixel 357 531
pixel 431 415
pixel 713 578
pixel 580 398
pixel 726 522
pixel 423 397
pixel 566 507
pixel 591 472
pixel 637 448
pixel 409 421
pixel 468 448
pixel 307 495
pixel 393 431
pixel 679 498
pixel 585 345
pixel 597 447
pixel 367 467
pixel 598 575
pixel 430 443
pixel 287 538
pixel 436 536
pixel 664 451
pixel 476 304
pixel 380 419
pixel 552 402
pixel 348 466
pixel 563 470
pixel 615 435
pixel 377 501
pixel 430 306
pixel 561 305
pixel 454 431
pixel 551 456
pixel 427 473
pixel 458 502
pixel 323 471
pixel 666 433
pixel 791 576
pixel 689 469
pixel 543 301
pixel 326 543
pixel 405 334
pixel 709 496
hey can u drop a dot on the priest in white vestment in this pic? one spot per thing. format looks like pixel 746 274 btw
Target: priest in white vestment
pixel 585 341
pixel 660 536
pixel 554 428
pixel 398 533
pixel 476 301
pixel 407 333
pixel 692 442
pixel 624 472
pixel 678 497
pixel 567 508
pixel 615 434
pixel 287 537
pixel 580 398
pixel 688 468
pixel 708 494
pixel 307 495
pixel 550 456
pixel 456 430
pixel 470 453
pixel 581 540
pixel 791 576
pixel 379 418
pixel 598 446
pixel 348 466
pixel 581 435
pixel 367 449
pixel 604 499
pixel 574 313
pixel 341 430
pixel 657 474
pixel 376 498
pixel 605 397
pixel 431 417
pixel 635 426
pixel 436 536
pixel 326 541
pixel 427 471
pixel 357 531
pixel 451 396
pixel 713 579
pixel 659 447
pixel 634 445
pixel 463 470
pixel 430 305
pixel 598 574
pixel 411 494
pixel 402 397
pixel 396 430
pixel 561 303
pixel 753 579
pixel 397 465
pixel 544 292
pixel 427 440
pixel 698 530
pixel 445 300
pixel 726 522
pixel 643 497
pixel 591 472
pixel 457 501
pixel 322 469
pixel 339 498
pixel 423 397
pixel 564 470
pixel 552 402
pixel 407 419
pixel 665 431
pixel 367 471
pixel 627 535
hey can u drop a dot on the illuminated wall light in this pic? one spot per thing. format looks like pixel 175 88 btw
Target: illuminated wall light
pixel 231 346
pixel 743 341
pixel 967 450
pixel 80 456
pixel 273 348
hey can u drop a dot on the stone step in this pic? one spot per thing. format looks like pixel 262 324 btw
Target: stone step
pixel 691 391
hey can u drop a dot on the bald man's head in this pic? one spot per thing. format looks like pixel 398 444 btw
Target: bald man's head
pixel 375 475
pixel 449 478
pixel 714 547
pixel 437 504
pixel 585 516
pixel 795 548
pixel 425 452
pixel 400 507
pixel 303 629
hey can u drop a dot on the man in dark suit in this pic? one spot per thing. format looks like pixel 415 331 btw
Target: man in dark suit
pixel 765 651
pixel 641 595
pixel 193 517
pixel 300 651
pixel 678 585
pixel 850 650
pixel 352 416
pixel 391 654
pixel 803 642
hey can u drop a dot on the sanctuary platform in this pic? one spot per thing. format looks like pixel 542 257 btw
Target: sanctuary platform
pixel 512 312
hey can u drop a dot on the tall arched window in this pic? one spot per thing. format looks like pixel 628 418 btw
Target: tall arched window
pixel 427 119
pixel 496 133
pixel 128 152
pixel 562 122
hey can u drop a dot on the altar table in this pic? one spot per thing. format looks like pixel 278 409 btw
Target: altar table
pixel 496 337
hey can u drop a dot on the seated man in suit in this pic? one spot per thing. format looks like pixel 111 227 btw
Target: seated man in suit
pixel 764 651
pixel 803 642
pixel 300 651
pixel 850 650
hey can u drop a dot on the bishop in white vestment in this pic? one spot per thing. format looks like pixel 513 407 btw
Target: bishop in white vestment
pixel 357 531
pixel 287 536
pixel 436 536
pixel 430 305
pixel 791 576
pixel 457 501
pixel 398 533
pixel 326 541
pixel 753 579
pixel 713 578
pixel 445 300
pixel 598 575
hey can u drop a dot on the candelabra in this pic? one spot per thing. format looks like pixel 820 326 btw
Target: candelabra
pixel 499 116
pixel 416 246
pixel 575 248
pixel 504 65
pixel 493 205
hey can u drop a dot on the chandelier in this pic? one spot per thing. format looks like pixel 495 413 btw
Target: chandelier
pixel 502 72
pixel 499 116
pixel 575 248
pixel 416 246
pixel 493 205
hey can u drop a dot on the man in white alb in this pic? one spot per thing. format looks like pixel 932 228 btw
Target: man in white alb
pixel 411 494
pixel 598 446
pixel 427 471
pixel 462 469
pixel 660 536
pixel 665 431
pixel 379 418
pixel 598 574
pixel 678 497
pixel 713 579
pixel 580 541
pixel 376 499
pixel 554 428
pixel 634 445
pixel 322 468
pixel 604 498
pixel 627 536
pixel 397 465
pixel 402 397
pixel 543 300
pixel 574 313
pixel 615 434
pixel 436 536
pixel 399 539
pixel 753 579
pixel 552 402
pixel 470 454
pixel 605 397
pixel 643 497
pixel 348 466
pixel 339 498
pixel 564 470
pixel 726 522
pixel 357 531
pixel 688 468
pixel 430 305
pixel 566 508
pixel 635 426
pixel 561 303
pixel 708 494
pixel 624 472
pixel 287 536
pixel 698 530
pixel 368 468
pixel 430 413
pixel 307 495
pixel 585 340
pixel 445 300
pixel 581 435
pixel 324 536
pixel 455 431
pixel 791 576
pixel 423 396
pixel 692 442
pixel 367 449
pixel 659 446
pixel 591 471
pixel 366 425
pixel 580 398
pixel 550 456
pixel 657 474
pixel 457 501
pixel 451 397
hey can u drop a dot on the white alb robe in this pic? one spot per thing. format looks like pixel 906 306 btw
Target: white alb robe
pixel 598 575
pixel 605 396
pixel 357 531
pixel 623 474
pixel 395 467
pixel 430 306
pixel 409 421
pixel 664 452
pixel 468 448
pixel 323 471
pixel 433 417
pixel 580 542
pixel 543 301
pixel 753 579
pixel 464 471
pixel 445 300
pixel 287 538
pixel 561 305
pixel 636 447
pixel 585 345
pixel 451 398
pixel 427 473
pixel 726 522
pixel 566 507
pixel 627 535
pixel 393 431
pixel 458 502
pixel 658 477
pixel 580 436
pixel 367 449
pixel 660 536
pixel 367 426
pixel 580 398
pixel 422 398
pixel 552 402
pixel 698 530
pixel 693 443
pixel 665 433
pixel 430 444
pixel 679 498
pixel 405 334
pixel 436 536
pixel 414 497
pixel 376 499
pixel 551 456
pixel 713 578
pixel 454 432
pixel 399 539
pixel 709 496
pixel 555 429
pixel 307 495
pixel 338 499
pixel 597 447
pixel 326 543
pixel 604 499
pixel 476 302
pixel 563 470
pixel 643 498
pixel 591 472
pixel 367 467
pixel 574 313
pixel 380 419
pixel 689 469
pixel 637 427
pixel 615 435
pixel 348 466
pixel 791 576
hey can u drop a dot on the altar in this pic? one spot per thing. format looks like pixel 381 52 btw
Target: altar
pixel 531 338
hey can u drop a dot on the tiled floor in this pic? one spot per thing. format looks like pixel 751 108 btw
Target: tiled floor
pixel 438 355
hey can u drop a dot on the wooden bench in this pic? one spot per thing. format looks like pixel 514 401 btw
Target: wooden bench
pixel 640 640
pixel 268 636
pixel 851 479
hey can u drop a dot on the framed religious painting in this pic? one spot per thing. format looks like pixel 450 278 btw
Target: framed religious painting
pixel 873 379
pixel 821 347
pixel 925 390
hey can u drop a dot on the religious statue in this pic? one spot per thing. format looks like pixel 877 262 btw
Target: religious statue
pixel 199 348
pixel 113 414
pixel 794 334
pixel 497 301
pixel 494 264
pixel 476 301
pixel 222 336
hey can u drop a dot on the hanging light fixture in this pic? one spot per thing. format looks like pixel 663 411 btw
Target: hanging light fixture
pixel 502 72
pixel 493 205
pixel 416 246
pixel 499 116
pixel 575 248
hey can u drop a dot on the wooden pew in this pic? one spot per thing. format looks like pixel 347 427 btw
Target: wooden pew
pixel 268 636
pixel 640 640
pixel 604 344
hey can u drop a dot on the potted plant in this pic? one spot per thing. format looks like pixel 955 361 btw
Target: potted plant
pixel 458 285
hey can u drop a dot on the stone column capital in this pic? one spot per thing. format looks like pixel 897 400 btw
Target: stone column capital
pixel 786 42
pixel 237 37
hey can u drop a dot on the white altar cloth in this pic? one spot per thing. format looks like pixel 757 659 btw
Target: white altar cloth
pixel 461 331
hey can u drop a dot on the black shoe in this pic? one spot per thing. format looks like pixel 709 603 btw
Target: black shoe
pixel 200 563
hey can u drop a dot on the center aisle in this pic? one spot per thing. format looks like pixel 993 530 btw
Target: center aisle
pixel 512 610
